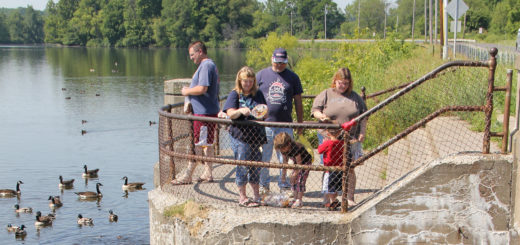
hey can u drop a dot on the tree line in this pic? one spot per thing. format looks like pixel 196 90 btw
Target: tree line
pixel 233 23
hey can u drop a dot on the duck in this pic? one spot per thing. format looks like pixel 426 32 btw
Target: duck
pixel 83 131
pixel 18 209
pixel 132 185
pixel 111 216
pixel 90 194
pixel 83 121
pixel 65 183
pixel 152 122
pixel 12 228
pixel 90 173
pixel 11 193
pixel 20 232
pixel 84 221
pixel 55 202
pixel 43 220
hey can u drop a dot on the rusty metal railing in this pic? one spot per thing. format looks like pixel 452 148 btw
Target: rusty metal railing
pixel 176 143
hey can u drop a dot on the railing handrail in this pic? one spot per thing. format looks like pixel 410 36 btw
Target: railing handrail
pixel 418 82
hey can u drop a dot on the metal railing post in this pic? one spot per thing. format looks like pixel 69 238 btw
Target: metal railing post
pixel 488 110
pixel 346 168
pixel 507 106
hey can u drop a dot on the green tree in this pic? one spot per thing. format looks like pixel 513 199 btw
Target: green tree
pixel 4 32
pixel 15 26
pixel 112 27
pixel 51 26
pixel 32 26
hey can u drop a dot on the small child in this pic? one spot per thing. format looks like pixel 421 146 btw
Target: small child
pixel 332 150
pixel 297 153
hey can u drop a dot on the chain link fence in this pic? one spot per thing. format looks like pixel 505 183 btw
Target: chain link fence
pixel 443 116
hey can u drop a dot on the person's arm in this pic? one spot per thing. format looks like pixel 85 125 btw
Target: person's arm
pixel 197 90
pixel 362 130
pixel 299 110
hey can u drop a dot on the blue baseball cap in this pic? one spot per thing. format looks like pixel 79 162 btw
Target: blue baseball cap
pixel 280 55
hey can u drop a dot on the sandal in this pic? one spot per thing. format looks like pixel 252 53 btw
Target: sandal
pixel 204 180
pixel 248 204
pixel 297 204
pixel 181 181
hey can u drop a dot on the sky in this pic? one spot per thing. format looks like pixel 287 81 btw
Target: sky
pixel 40 4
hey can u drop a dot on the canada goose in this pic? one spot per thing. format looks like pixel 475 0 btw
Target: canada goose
pixel 133 185
pixel 90 194
pixel 11 193
pixel 20 232
pixel 89 173
pixel 84 221
pixel 55 202
pixel 111 216
pixel 22 210
pixel 65 183
pixel 43 220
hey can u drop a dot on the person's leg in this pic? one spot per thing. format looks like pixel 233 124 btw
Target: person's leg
pixel 283 181
pixel 241 171
pixel 254 172
pixel 209 151
pixel 267 152
pixel 186 177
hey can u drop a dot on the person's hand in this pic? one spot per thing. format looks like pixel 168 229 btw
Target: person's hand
pixel 184 91
pixel 361 137
pixel 245 111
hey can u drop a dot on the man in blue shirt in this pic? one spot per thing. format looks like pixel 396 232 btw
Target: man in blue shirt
pixel 280 87
pixel 203 95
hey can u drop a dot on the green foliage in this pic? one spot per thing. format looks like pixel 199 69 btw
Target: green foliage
pixel 261 57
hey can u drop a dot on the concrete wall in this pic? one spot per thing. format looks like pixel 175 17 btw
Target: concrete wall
pixel 459 199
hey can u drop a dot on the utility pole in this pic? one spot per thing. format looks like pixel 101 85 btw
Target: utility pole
pixel 425 22
pixel 430 12
pixel 445 29
pixel 384 30
pixel 413 21
pixel 358 13
pixel 325 21
pixel 435 30
pixel 397 24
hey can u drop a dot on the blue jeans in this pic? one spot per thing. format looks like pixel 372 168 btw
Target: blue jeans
pixel 244 151
pixel 267 152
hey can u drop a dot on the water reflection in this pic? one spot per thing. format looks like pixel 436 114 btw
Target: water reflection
pixel 119 138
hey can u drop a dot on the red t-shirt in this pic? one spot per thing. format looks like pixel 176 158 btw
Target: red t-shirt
pixel 332 151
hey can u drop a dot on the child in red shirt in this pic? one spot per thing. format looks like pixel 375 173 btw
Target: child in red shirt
pixel 332 150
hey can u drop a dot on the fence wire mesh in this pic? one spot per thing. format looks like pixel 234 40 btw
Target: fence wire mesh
pixel 441 117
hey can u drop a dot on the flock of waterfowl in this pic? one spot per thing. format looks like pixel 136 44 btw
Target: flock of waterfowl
pixel 55 201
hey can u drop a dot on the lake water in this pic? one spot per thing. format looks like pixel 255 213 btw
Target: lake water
pixel 118 92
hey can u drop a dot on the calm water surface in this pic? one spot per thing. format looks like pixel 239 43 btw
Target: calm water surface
pixel 117 91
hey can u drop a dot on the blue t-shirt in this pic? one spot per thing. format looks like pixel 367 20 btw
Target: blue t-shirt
pixel 279 90
pixel 248 134
pixel 206 75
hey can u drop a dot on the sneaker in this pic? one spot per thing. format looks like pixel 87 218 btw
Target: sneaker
pixel 264 190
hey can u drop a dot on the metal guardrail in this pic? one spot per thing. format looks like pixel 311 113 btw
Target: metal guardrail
pixel 439 133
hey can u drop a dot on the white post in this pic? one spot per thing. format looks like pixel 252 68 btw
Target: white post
pixel 455 34
pixel 445 29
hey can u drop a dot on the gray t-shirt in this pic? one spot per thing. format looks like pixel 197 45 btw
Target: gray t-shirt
pixel 340 107
pixel 206 75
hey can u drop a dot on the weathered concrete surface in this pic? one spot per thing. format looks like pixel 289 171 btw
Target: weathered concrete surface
pixel 459 199
pixel 174 86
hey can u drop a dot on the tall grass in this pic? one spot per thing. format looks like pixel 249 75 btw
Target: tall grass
pixel 389 63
